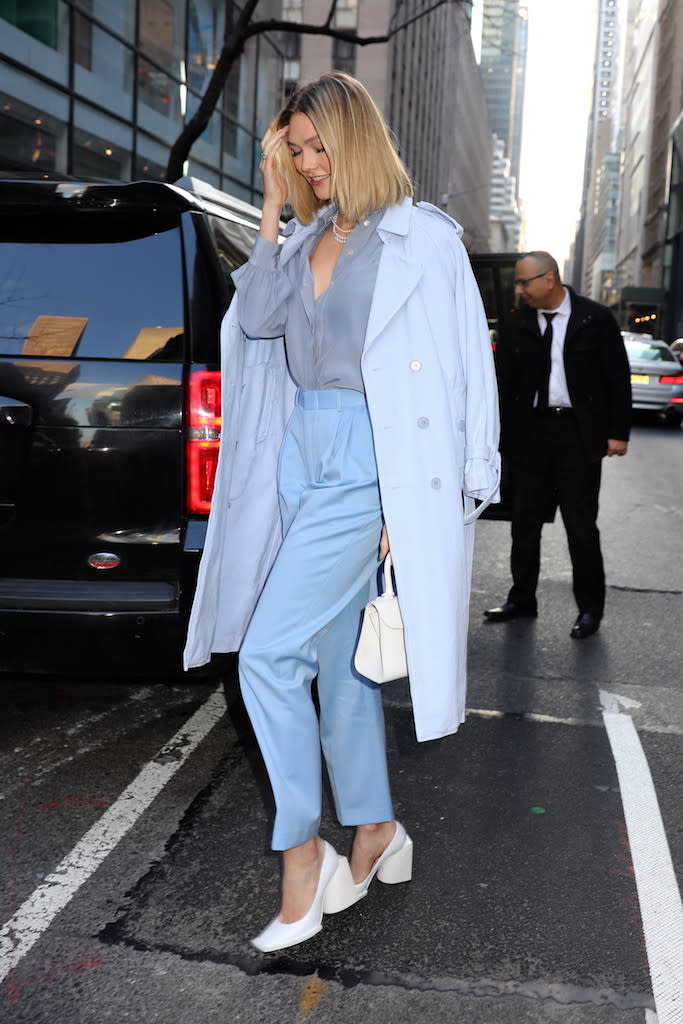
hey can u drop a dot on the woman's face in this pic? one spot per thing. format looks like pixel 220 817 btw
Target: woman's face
pixel 310 159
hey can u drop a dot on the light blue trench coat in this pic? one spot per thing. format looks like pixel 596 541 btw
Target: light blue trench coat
pixel 431 391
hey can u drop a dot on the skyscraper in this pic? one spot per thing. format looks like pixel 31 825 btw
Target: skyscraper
pixel 503 70
pixel 595 249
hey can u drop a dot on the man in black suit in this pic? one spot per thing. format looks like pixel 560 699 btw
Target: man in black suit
pixel 565 396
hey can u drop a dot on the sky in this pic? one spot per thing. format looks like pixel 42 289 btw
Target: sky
pixel 559 79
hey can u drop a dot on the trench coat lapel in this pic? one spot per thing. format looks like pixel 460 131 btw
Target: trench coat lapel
pixel 397 275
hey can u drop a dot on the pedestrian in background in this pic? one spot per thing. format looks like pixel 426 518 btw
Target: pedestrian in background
pixel 389 438
pixel 565 396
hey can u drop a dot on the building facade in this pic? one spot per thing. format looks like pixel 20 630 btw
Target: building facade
pixel 426 82
pixel 636 141
pixel 673 253
pixel 667 106
pixel 101 90
pixel 648 265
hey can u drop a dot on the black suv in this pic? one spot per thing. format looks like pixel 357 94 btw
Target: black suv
pixel 111 298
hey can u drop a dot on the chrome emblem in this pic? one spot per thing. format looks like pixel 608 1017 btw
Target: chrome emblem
pixel 104 560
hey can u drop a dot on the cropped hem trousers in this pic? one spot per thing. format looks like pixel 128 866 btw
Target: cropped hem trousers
pixel 307 620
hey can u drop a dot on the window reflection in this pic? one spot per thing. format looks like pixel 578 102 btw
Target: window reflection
pixel 62 299
pixel 162 31
pixel 28 137
pixel 206 19
pixel 97 158
pixel 156 89
pixel 146 169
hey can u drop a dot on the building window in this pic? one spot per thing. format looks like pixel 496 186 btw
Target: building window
pixel 344 56
pixel 292 10
pixel 344 51
pixel 162 32
pixel 83 37
pixel 156 89
pixel 38 18
pixel 205 39
pixel 232 108
pixel 28 137
pixel 95 157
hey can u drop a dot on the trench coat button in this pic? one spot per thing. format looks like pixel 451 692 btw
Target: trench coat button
pixel 436 484
pixel 423 422
pixel 415 365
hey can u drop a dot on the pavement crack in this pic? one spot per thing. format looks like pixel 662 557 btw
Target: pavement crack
pixel 644 590
pixel 536 990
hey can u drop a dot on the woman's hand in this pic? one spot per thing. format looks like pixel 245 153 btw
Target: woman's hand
pixel 274 187
pixel 383 544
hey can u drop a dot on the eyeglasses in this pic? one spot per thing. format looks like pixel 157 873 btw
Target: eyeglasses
pixel 522 282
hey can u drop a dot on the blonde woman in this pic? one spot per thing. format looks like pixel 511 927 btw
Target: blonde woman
pixel 360 410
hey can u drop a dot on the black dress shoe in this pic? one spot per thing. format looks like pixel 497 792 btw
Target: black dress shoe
pixel 512 610
pixel 585 625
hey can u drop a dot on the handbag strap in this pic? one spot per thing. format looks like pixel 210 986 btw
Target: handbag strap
pixel 388 581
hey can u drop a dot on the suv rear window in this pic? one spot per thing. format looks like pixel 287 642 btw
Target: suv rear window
pixel 93 286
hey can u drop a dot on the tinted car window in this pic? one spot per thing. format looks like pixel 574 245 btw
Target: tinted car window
pixel 232 241
pixel 87 296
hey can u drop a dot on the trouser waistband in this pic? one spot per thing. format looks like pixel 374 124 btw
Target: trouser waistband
pixel 331 398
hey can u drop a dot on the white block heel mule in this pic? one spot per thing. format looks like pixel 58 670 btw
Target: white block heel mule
pixel 395 865
pixel 335 892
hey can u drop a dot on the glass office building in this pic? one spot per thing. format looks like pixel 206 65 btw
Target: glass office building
pixel 100 90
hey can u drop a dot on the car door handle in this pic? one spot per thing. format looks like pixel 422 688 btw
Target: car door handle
pixel 15 413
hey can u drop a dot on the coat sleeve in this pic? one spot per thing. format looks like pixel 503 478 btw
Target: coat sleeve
pixel 616 375
pixel 482 428
pixel 263 289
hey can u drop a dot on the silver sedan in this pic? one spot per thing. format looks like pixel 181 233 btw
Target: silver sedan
pixel 656 377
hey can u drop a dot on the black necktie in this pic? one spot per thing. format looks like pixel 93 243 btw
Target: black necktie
pixel 544 374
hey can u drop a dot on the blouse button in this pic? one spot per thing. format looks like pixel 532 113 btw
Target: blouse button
pixel 436 484
pixel 423 422
pixel 366 223
pixel 415 365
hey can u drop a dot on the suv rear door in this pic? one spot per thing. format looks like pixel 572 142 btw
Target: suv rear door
pixel 94 356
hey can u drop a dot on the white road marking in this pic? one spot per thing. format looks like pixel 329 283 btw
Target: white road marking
pixel 27 925
pixel 658 895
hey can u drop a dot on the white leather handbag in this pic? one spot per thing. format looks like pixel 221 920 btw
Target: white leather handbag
pixel 381 653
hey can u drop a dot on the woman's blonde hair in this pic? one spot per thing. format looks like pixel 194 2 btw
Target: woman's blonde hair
pixel 367 173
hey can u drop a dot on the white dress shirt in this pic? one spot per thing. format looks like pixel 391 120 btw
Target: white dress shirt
pixel 558 394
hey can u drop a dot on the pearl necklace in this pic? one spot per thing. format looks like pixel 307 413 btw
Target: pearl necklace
pixel 340 235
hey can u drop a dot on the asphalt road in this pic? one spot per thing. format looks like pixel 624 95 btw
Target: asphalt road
pixel 134 824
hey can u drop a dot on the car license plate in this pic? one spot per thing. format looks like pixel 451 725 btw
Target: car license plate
pixel 640 378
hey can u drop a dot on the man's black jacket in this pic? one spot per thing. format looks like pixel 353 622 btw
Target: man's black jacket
pixel 596 367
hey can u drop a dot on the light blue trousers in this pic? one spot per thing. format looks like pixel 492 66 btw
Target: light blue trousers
pixel 307 620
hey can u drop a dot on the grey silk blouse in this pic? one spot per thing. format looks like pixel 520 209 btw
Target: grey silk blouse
pixel 324 336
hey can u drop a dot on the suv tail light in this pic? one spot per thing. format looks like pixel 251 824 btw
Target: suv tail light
pixel 669 379
pixel 203 438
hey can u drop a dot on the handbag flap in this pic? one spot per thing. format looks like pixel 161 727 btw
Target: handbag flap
pixel 388 610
